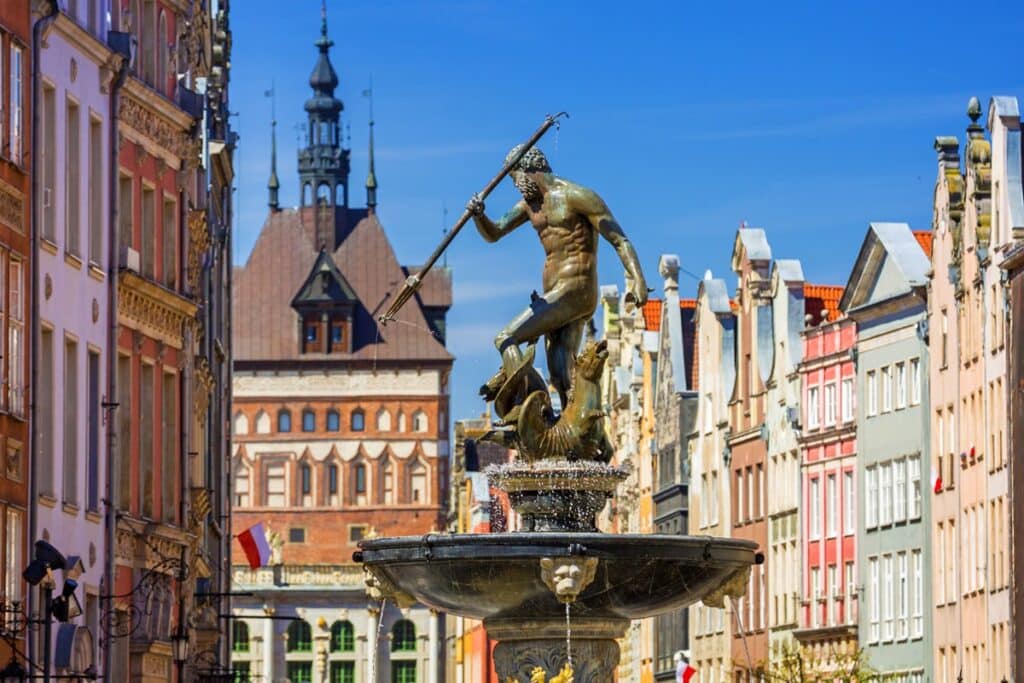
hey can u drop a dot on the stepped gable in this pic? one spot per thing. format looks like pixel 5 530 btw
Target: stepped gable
pixel 266 326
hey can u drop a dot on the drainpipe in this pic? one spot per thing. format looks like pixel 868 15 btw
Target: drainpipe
pixel 50 11
pixel 112 415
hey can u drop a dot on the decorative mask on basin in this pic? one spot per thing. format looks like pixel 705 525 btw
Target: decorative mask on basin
pixel 380 588
pixel 567 577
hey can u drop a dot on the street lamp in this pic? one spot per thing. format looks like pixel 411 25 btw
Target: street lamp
pixel 179 645
pixel 63 607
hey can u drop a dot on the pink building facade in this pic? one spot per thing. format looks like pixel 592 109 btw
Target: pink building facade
pixel 828 448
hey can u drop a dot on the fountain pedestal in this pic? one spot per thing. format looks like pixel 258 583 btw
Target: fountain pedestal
pixel 526 644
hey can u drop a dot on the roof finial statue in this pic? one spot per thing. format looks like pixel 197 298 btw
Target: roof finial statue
pixel 371 175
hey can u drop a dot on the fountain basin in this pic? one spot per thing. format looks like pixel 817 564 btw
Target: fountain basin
pixel 499 576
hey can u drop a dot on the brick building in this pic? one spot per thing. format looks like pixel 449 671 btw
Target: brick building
pixel 340 424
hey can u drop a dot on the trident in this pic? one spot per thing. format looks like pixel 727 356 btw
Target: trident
pixel 413 282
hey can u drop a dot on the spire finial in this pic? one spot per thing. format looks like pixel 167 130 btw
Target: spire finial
pixel 273 184
pixel 371 175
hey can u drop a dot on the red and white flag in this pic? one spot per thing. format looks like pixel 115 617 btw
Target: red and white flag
pixel 254 543
pixel 936 481
pixel 684 672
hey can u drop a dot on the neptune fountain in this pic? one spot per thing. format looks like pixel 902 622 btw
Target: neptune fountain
pixel 557 594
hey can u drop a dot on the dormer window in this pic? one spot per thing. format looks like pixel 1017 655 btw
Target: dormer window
pixel 325 304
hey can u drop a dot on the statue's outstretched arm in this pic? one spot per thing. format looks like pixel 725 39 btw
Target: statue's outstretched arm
pixel 590 204
pixel 488 229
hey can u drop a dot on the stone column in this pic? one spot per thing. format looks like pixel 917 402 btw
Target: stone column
pixel 526 644
pixel 371 644
pixel 268 645
pixel 432 658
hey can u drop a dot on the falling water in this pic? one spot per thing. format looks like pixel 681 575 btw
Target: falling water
pixel 372 673
pixel 568 635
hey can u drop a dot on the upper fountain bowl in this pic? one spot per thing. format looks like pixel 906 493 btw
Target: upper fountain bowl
pixel 508 575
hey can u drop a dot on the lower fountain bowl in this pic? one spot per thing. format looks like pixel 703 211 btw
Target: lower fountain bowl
pixel 499 576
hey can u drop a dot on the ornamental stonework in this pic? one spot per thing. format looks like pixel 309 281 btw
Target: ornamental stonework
pixel 198 245
pixel 151 316
pixel 155 128
pixel 12 207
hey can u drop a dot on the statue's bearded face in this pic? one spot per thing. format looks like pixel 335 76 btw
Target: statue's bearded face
pixel 526 186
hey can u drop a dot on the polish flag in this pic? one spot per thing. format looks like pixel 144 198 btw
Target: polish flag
pixel 254 543
pixel 684 672
pixel 936 481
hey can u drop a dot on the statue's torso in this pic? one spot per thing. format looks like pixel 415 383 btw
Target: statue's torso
pixel 569 241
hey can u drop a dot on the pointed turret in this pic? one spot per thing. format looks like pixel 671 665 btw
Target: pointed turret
pixel 273 185
pixel 371 174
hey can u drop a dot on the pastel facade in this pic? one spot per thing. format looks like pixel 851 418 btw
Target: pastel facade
pixel 710 505
pixel 976 211
pixel 73 271
pixel 886 297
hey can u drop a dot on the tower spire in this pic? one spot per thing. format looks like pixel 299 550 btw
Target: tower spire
pixel 273 185
pixel 371 175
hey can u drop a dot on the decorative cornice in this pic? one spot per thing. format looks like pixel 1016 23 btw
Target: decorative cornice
pixel 150 309
pixel 12 207
pixel 157 121
pixel 198 244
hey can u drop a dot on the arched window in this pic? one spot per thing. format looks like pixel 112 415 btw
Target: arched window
pixel 332 484
pixel 358 420
pixel 241 424
pixel 284 420
pixel 383 420
pixel 401 421
pixel 300 637
pixel 360 479
pixel 333 421
pixel 306 479
pixel 262 422
pixel 388 481
pixel 308 421
pixel 403 636
pixel 419 421
pixel 418 483
pixel 343 637
pixel 239 636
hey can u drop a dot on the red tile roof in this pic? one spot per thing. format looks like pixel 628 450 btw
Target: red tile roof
pixel 652 312
pixel 818 298
pixel 265 324
pixel 924 238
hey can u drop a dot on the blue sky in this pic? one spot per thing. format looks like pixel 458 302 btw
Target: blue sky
pixel 809 120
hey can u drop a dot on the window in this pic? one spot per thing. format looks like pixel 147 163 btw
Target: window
pixel 124 433
pixel 48 195
pixel 403 672
pixel 833 593
pixel 708 408
pixel 901 385
pixel 332 479
pixel 383 420
pixel 169 234
pixel 849 504
pixel 306 478
pixel 418 483
pixel 917 625
pixel 914 482
pixel 284 421
pixel 886 389
pixel 419 421
pixel 942 569
pixel 296 535
pixel 872 393
pixel 358 421
pixel 299 672
pixel 815 512
pixel 403 636
pixel 851 592
pixel 343 638
pixel 343 672
pixel 871 497
pixel 96 225
pixel 147 432
pixel 239 636
pixel 888 589
pixel 812 408
pixel 308 421
pixel 815 597
pixel 13 556
pixel 831 503
pixel 847 400
pixel 16 335
pixel 148 246
pixel 356 532
pixel 899 488
pixel 125 210
pixel 93 424
pixel 830 404
pixel 17 100
pixel 162 57
pixel 300 637
pixel 333 421
pixel 241 424
pixel 241 486
pixel 902 599
pixel 72 181
pixel 360 479
pixel 388 481
pixel 169 434
pixel 885 494
pixel 70 405
pixel 915 381
pixel 739 495
pixel 275 485
pixel 944 348
pixel 750 494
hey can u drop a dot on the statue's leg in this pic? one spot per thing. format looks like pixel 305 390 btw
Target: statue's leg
pixel 562 347
pixel 544 315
